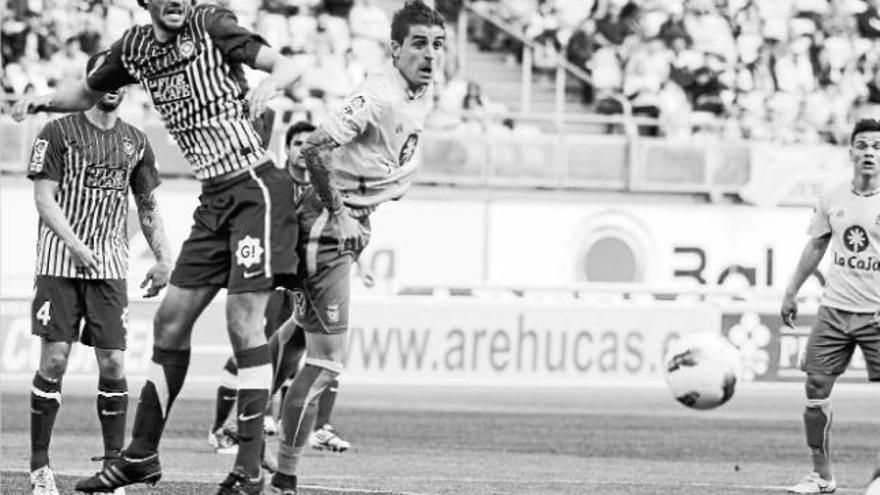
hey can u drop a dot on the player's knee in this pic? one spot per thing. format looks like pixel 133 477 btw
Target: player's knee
pixel 112 367
pixel 54 366
pixel 169 331
pixel 819 386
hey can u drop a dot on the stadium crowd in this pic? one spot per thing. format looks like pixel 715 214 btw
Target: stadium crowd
pixel 787 70
pixel 793 71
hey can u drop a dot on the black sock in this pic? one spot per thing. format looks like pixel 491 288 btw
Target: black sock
pixel 225 395
pixel 167 371
pixel 112 406
pixel 45 401
pixel 326 401
pixel 255 376
pixel 284 481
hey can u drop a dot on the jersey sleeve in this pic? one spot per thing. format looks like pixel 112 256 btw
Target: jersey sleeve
pixel 820 225
pixel 237 43
pixel 352 118
pixel 145 175
pixel 108 72
pixel 47 154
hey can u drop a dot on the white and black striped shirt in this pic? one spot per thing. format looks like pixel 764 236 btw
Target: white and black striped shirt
pixel 94 169
pixel 197 85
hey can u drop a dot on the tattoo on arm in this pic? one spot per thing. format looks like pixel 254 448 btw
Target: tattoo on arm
pixel 152 225
pixel 316 152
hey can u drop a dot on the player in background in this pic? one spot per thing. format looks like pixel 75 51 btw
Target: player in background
pixel 83 166
pixel 846 218
pixel 359 157
pixel 278 310
pixel 189 59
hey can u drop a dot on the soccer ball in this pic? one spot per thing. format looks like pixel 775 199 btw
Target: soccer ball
pixel 701 370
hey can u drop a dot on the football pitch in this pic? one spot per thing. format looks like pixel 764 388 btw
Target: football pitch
pixel 496 440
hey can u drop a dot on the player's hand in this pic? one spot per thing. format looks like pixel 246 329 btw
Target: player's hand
pixel 27 105
pixel 156 279
pixel 789 310
pixel 348 231
pixel 84 259
pixel 260 96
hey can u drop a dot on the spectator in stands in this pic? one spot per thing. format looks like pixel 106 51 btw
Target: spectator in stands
pixel 368 20
pixel 68 62
pixel 618 23
pixel 581 46
pixel 474 105
pixel 869 20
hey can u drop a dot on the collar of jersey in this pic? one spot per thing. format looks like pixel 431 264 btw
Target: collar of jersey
pixel 404 85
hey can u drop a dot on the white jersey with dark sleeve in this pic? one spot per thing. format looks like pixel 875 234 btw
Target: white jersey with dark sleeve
pixel 853 222
pixel 378 128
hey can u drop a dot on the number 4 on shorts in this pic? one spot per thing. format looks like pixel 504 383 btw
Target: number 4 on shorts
pixel 43 313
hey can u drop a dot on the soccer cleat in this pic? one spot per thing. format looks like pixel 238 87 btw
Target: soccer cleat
pixel 813 483
pixel 106 459
pixel 326 438
pixel 122 471
pixel 281 485
pixel 43 482
pixel 238 483
pixel 224 441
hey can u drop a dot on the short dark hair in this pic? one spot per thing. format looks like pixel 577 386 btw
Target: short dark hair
pixel 413 13
pixel 297 128
pixel 864 125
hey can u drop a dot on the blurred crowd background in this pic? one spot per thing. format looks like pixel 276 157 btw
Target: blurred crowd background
pixel 790 71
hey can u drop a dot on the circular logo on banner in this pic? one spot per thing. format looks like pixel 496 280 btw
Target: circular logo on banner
pixel 855 239
pixel 615 247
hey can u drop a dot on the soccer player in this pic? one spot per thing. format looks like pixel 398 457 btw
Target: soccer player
pixel 189 59
pixel 82 166
pixel 846 218
pixel 278 310
pixel 359 157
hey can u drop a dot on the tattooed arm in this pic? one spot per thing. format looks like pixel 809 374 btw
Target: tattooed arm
pixel 153 228
pixel 316 152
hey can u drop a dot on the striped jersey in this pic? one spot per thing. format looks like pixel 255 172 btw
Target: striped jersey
pixel 853 221
pixel 94 169
pixel 197 85
pixel 378 128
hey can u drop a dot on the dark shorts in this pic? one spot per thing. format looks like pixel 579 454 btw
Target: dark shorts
pixel 242 234
pixel 61 304
pixel 324 278
pixel 834 339
pixel 279 309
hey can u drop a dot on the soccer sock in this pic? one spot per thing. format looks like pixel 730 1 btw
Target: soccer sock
pixel 167 371
pixel 226 394
pixel 817 423
pixel 254 379
pixel 325 404
pixel 112 403
pixel 45 401
pixel 300 408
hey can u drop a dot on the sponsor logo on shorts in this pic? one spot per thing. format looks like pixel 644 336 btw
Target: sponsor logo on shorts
pixel 299 304
pixel 249 252
pixel 333 313
pixel 250 275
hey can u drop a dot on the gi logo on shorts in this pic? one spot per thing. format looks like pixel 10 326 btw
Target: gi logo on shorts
pixel 249 252
pixel 333 313
pixel 855 239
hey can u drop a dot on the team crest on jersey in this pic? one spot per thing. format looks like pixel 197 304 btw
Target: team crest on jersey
pixel 38 155
pixel 333 313
pixel 855 239
pixel 170 88
pixel 127 147
pixel 408 150
pixel 187 48
pixel 249 252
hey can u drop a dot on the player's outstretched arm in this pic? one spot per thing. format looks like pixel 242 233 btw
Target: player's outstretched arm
pixel 316 152
pixel 153 228
pixel 50 212
pixel 809 261
pixel 283 72
pixel 70 97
